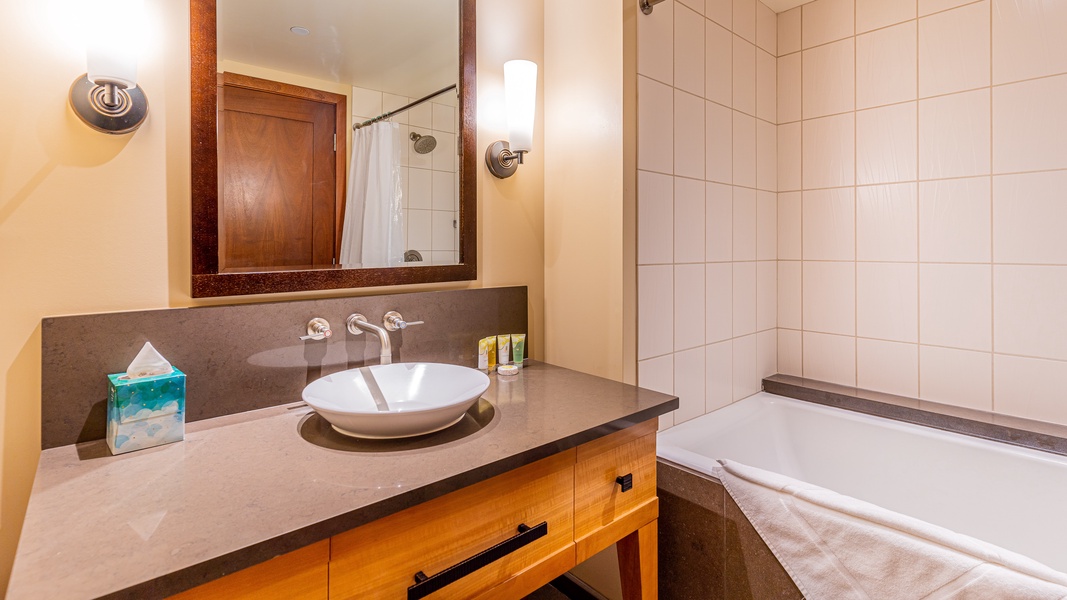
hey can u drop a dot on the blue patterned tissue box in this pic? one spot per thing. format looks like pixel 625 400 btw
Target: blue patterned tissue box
pixel 146 412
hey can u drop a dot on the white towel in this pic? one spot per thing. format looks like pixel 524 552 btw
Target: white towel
pixel 839 548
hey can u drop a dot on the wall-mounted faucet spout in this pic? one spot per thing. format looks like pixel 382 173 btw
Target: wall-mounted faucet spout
pixel 357 324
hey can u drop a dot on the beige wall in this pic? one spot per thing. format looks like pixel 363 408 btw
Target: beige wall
pixel 922 170
pixel 94 223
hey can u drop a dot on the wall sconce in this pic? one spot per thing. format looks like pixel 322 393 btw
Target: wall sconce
pixel 503 157
pixel 107 98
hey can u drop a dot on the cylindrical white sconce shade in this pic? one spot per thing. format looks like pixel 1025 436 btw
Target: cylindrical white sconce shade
pixel 520 95
pixel 113 48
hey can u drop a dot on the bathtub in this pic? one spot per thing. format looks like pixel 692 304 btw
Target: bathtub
pixel 1013 497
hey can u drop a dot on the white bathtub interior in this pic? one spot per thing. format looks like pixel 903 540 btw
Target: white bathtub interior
pixel 1009 496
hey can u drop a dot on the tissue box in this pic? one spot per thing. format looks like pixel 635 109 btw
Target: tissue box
pixel 145 412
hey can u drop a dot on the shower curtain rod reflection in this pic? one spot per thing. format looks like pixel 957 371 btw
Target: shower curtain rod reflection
pixel 403 108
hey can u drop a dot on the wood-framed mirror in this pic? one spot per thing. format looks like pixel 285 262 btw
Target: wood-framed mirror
pixel 279 202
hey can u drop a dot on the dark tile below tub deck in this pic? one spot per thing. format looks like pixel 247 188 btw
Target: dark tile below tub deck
pixel 751 570
pixel 247 356
pixel 691 531
pixel 1038 435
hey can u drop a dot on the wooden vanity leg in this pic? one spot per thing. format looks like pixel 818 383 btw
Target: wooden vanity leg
pixel 638 567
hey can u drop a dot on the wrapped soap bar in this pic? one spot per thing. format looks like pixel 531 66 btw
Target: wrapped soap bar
pixel 145 405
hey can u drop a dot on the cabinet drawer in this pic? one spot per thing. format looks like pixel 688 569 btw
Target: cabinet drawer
pixel 381 559
pixel 299 575
pixel 598 498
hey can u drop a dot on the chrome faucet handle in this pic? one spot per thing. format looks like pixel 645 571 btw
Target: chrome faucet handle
pixel 318 329
pixel 350 322
pixel 395 322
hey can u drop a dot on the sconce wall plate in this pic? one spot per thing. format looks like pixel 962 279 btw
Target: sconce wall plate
pixel 122 113
pixel 502 162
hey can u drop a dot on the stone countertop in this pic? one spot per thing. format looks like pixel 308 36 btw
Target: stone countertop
pixel 244 488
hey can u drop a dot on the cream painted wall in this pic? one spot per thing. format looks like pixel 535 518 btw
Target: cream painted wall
pixel 589 219
pixel 94 223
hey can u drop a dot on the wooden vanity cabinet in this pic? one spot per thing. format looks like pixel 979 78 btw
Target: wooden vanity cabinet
pixel 500 538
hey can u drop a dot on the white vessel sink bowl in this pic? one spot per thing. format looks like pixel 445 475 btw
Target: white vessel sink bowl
pixel 396 401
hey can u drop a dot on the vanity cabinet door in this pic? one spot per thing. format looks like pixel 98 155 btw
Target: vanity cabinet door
pixel 614 487
pixel 382 559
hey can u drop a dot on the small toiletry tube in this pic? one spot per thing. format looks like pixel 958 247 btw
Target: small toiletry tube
pixel 490 347
pixel 483 355
pixel 503 349
pixel 145 412
pixel 518 348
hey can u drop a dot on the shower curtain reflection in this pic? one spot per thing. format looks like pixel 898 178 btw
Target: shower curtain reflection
pixel 373 231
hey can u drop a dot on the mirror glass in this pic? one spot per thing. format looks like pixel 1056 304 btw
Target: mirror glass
pixel 332 144
pixel 299 188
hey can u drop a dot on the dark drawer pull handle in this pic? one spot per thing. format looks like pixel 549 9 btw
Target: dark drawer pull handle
pixel 424 586
pixel 626 482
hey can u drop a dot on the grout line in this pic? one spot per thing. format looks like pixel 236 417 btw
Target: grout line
pixel 855 201
pixel 918 214
pixel 992 271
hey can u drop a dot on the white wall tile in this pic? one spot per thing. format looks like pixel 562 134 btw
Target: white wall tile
pixel 766 156
pixel 689 306
pixel 829 78
pixel 830 358
pixel 744 19
pixel 720 222
pixel 744 218
pixel 689 220
pixel 1030 125
pixel 956 377
pixel 829 298
pixel 657 374
pixel 688 135
pixel 1029 317
pixel 927 7
pixel 655 306
pixel 1028 39
pixel 746 376
pixel 655 121
pixel 689 384
pixel 720 11
pixel 886 66
pixel 954 220
pixel 954 50
pixel 889 367
pixel 766 86
pixel 719 316
pixel 444 232
pixel 1030 388
pixel 887 222
pixel 655 218
pixel 789 31
pixel 829 227
pixel 790 353
pixel 719 141
pixel 875 14
pixel 444 155
pixel 420 230
pixel 766 295
pixel 954 135
pixel 718 64
pixel 744 303
pixel 744 154
pixel 887 306
pixel 887 149
pixel 444 117
pixel 417 116
pixel 790 86
pixel 826 21
pixel 766 226
pixel 696 5
pixel 366 103
pixel 766 29
pixel 789 157
pixel 655 38
pixel 1029 213
pixel 829 158
pixel 688 50
pixel 789 294
pixel 444 190
pixel 420 186
pixel 789 226
pixel 766 353
pixel 719 373
pixel 744 72
pixel 955 306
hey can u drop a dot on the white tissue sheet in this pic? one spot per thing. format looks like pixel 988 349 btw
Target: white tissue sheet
pixel 148 363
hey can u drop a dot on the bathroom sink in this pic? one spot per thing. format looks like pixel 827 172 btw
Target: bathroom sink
pixel 396 401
